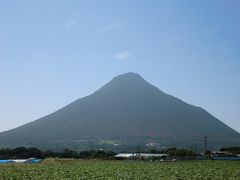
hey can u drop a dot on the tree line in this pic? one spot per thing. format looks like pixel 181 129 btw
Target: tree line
pixel 24 153
pixel 234 150
pixel 31 152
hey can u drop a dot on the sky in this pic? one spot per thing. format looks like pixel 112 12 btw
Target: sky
pixel 54 52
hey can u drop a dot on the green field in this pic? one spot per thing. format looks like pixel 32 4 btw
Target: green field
pixel 103 169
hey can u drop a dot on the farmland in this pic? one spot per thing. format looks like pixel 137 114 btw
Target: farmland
pixel 107 169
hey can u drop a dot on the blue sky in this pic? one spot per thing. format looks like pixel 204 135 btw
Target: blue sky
pixel 54 52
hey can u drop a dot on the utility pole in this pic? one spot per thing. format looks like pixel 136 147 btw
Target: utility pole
pixel 205 141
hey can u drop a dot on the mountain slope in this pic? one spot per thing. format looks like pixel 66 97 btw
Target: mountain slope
pixel 125 112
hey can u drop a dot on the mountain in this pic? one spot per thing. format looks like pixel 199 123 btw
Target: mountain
pixel 125 112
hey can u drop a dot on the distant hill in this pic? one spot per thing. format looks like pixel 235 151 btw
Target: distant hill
pixel 125 112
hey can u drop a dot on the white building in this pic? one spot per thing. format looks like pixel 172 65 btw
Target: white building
pixel 140 156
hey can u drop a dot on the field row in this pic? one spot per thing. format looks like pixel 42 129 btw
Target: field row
pixel 100 169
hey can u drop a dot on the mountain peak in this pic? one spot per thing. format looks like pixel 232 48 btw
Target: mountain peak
pixel 129 75
pixel 127 82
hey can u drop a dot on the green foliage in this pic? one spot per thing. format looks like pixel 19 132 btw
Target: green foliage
pixel 235 150
pixel 23 153
pixel 20 153
pixel 179 152
pixel 99 169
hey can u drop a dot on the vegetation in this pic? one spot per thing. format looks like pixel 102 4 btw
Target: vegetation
pixel 102 169
pixel 179 152
pixel 22 153
pixel 234 150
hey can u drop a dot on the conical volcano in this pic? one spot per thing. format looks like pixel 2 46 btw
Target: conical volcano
pixel 124 112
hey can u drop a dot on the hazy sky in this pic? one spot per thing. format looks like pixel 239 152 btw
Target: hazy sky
pixel 54 52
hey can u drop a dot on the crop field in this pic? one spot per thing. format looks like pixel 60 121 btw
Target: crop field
pixel 107 169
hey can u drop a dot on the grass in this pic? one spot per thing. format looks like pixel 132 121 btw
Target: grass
pixel 100 169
